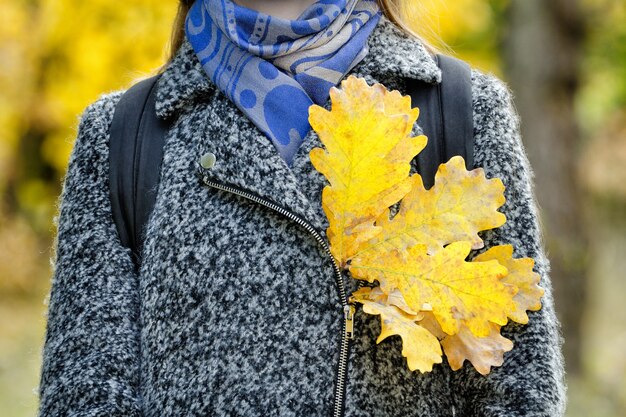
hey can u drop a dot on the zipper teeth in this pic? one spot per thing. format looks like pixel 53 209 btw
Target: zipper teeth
pixel 340 386
pixel 308 226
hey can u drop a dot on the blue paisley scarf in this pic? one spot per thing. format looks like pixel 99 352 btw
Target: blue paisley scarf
pixel 272 68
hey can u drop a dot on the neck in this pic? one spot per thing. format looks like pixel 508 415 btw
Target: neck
pixel 286 9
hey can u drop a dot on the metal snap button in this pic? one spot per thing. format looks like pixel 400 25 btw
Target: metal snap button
pixel 207 160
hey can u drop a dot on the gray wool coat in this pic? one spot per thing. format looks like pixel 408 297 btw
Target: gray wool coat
pixel 235 311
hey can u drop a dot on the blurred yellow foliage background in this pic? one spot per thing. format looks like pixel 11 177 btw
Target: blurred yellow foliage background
pixel 58 56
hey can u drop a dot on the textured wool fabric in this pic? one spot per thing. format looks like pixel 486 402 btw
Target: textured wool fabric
pixel 272 68
pixel 235 311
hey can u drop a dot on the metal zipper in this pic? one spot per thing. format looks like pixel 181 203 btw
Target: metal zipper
pixel 349 308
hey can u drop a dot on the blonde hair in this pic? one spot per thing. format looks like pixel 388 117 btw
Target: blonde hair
pixel 403 13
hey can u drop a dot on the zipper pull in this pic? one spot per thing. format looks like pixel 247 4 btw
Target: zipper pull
pixel 348 314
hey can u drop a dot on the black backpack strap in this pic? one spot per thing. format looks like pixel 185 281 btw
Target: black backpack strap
pixel 137 137
pixel 446 117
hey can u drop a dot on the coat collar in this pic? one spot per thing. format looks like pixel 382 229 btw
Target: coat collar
pixel 245 156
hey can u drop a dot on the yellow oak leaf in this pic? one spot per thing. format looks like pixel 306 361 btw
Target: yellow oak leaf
pixel 419 346
pixel 459 292
pixel 367 155
pixel 522 276
pixel 481 352
pixel 393 298
pixel 427 293
pixel 459 205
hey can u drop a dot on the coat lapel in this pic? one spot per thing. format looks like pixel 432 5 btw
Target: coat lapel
pixel 245 157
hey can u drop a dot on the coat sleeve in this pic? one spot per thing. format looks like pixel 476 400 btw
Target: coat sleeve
pixel 90 358
pixel 531 380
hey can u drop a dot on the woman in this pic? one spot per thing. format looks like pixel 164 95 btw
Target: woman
pixel 235 308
